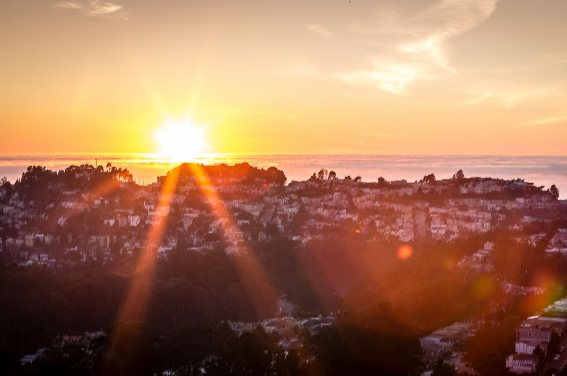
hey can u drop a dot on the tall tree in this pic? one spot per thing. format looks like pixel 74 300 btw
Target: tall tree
pixel 554 191
pixel 459 175
pixel 429 179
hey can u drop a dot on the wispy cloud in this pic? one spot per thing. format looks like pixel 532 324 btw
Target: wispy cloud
pixel 547 120
pixel 99 8
pixel 445 20
pixel 95 8
pixel 390 77
pixel 383 136
pixel 68 5
pixel 508 93
pixel 420 50
pixel 318 29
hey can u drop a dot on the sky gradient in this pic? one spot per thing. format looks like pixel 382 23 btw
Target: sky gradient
pixel 482 77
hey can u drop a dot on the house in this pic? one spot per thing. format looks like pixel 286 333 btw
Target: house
pixel 32 357
pixel 109 222
pixel 314 324
pixel 509 288
pixel 522 363
pixel 530 335
pixel 29 240
pixel 280 325
pixel 289 343
pixel 445 339
pixel 133 220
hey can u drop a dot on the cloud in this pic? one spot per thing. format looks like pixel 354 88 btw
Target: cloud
pixel 100 8
pixel 388 76
pixel 507 90
pixel 318 29
pixel 68 5
pixel 420 43
pixel 544 121
pixel 95 8
pixel 443 21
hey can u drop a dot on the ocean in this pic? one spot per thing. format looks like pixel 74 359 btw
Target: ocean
pixel 541 170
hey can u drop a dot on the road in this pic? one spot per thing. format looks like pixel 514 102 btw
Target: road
pixel 561 363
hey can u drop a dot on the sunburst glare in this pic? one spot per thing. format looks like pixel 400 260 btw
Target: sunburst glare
pixel 181 141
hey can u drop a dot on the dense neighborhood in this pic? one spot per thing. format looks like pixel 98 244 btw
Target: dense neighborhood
pixel 87 216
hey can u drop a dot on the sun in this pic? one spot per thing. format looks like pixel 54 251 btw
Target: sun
pixel 181 141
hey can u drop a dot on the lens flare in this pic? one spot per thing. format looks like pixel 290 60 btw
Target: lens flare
pixel 405 252
pixel 483 288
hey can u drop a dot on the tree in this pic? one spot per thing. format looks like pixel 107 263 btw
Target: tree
pixel 459 175
pixel 357 179
pixel 554 191
pixel 429 179
pixel 440 368
pixel 381 181
pixel 372 230
pixel 4 183
pixel 322 174
pixel 348 178
pixel 276 175
pixel 332 175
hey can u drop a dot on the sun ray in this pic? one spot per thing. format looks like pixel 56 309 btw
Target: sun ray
pixel 259 287
pixel 136 302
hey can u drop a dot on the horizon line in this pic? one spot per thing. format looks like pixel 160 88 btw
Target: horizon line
pixel 220 155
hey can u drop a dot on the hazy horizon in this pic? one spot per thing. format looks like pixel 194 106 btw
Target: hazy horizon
pixel 542 170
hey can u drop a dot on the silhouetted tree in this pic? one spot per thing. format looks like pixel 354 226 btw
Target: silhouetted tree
pixel 357 179
pixel 277 175
pixel 459 175
pixel 429 179
pixel 440 368
pixel 554 191
pixel 5 184
pixel 332 175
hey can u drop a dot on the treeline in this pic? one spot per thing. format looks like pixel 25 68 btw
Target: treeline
pixel 386 303
pixel 212 348
pixel 43 186
pixel 242 171
pixel 39 303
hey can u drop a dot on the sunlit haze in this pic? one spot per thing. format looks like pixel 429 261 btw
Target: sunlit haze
pixel 180 141
pixel 476 77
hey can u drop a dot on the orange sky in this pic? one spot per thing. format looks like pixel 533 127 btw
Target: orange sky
pixel 283 76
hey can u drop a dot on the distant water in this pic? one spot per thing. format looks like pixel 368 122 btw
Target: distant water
pixel 540 170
